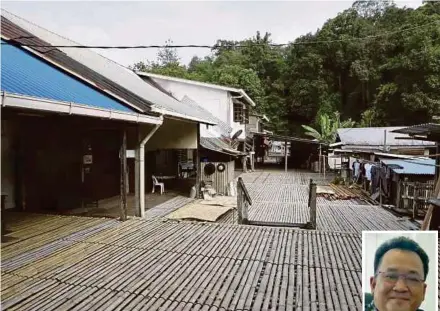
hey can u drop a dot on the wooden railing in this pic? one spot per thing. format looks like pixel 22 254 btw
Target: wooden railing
pixel 414 197
pixel 243 202
pixel 312 204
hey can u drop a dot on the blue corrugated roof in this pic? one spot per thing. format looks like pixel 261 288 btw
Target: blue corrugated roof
pixel 24 74
pixel 412 166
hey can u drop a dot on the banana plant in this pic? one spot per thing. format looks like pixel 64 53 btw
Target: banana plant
pixel 328 127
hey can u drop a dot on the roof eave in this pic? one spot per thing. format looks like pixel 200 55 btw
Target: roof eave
pixel 248 99
pixel 68 108
pixel 187 81
pixel 198 83
pixel 180 116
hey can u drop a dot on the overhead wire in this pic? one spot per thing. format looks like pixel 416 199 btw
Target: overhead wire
pixel 217 46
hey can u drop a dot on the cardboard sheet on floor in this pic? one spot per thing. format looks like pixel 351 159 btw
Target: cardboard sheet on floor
pixel 205 210
pixel 324 190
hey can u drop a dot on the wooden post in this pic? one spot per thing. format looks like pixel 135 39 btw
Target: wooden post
pixel 244 159
pixel 123 177
pixel 285 156
pixel 313 205
pixel 406 191
pixel 437 161
pixel 398 192
pixel 243 201
pixel 319 159
pixel 253 154
pixel 380 182
pixel 239 204
pixel 415 197
pixel 198 164
pixel 244 212
pixel 427 220
pixel 137 192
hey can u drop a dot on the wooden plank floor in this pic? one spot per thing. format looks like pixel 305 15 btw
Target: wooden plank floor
pixel 30 231
pixel 167 207
pixel 166 265
pixel 336 216
pixel 282 197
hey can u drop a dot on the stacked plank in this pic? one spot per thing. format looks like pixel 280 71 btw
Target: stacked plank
pixel 341 192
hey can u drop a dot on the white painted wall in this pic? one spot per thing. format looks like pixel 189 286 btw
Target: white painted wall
pixel 427 240
pixel 174 134
pixel 217 102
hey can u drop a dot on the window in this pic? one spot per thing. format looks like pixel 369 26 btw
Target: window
pixel 238 112
pixel 246 115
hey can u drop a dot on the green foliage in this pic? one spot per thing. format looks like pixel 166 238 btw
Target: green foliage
pixel 328 126
pixel 390 78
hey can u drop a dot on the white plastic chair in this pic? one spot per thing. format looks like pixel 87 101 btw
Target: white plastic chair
pixel 158 184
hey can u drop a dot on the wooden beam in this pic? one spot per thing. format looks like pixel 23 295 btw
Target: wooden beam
pixel 243 202
pixel 246 195
pixel 427 220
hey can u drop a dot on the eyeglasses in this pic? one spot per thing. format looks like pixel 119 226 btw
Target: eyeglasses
pixel 410 279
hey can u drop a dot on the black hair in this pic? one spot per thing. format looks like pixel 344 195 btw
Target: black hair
pixel 402 243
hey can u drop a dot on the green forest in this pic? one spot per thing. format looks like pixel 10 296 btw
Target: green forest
pixel 374 64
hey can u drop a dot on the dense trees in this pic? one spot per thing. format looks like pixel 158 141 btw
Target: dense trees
pixel 374 63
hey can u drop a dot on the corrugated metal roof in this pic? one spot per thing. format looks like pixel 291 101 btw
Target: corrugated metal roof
pixel 374 136
pixel 24 74
pixel 411 166
pixel 287 138
pixel 420 129
pixel 131 85
pixel 218 145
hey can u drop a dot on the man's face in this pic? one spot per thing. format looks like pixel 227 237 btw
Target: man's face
pixel 403 294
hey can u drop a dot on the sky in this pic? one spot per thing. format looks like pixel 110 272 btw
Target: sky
pixel 184 22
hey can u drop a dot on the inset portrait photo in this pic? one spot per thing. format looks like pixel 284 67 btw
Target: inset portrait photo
pixel 400 270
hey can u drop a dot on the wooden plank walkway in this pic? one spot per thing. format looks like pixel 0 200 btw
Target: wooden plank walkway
pixel 31 231
pixel 337 216
pixel 166 265
pixel 282 198
pixel 298 177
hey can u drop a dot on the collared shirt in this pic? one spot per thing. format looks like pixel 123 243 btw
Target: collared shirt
pixel 368 171
pixel 356 167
